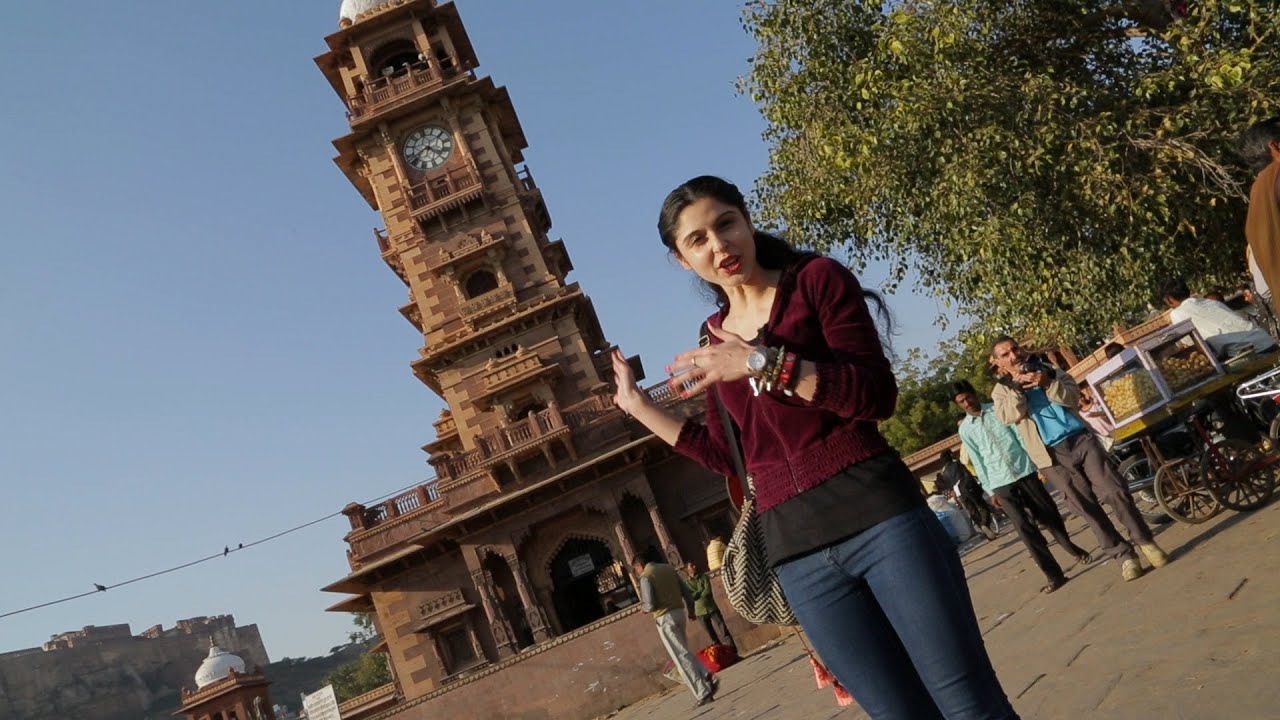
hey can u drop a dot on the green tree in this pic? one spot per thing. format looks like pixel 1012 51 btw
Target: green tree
pixel 365 673
pixel 1044 164
pixel 926 413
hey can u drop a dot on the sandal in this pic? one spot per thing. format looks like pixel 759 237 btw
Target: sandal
pixel 1054 585
pixel 1084 559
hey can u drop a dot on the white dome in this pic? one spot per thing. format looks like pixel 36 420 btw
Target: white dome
pixel 351 9
pixel 217 666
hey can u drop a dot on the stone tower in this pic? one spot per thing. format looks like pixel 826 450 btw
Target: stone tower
pixel 543 489
pixel 508 344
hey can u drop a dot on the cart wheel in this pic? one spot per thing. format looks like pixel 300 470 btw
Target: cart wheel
pixel 1234 479
pixel 1179 491
pixel 1136 472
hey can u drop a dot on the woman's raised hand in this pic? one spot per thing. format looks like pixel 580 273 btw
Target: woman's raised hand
pixel 628 397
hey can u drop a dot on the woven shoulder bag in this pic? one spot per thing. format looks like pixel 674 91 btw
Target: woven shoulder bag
pixel 752 586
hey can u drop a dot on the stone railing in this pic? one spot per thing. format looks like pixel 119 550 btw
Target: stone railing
pixel 525 177
pixel 441 603
pixel 443 192
pixel 384 91
pixel 489 302
pixel 503 373
pixel 591 424
pixel 400 505
pixel 381 693
pixel 468 246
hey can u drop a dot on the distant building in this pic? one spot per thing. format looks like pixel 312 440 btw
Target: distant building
pixel 225 691
pixel 107 673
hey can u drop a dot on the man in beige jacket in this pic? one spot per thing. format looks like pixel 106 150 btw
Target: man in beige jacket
pixel 1041 402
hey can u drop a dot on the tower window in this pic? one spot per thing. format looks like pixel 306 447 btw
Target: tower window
pixel 395 58
pixel 444 58
pixel 480 282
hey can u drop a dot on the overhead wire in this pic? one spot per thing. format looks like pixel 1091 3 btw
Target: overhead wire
pixel 226 551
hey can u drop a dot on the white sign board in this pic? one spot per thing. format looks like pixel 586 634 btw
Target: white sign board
pixel 321 705
pixel 581 565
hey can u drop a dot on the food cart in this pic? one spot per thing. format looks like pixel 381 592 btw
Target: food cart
pixel 1153 385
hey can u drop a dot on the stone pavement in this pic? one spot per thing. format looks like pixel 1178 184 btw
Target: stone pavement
pixel 1196 640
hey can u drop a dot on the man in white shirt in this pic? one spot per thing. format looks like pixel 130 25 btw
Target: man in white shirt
pixel 1225 331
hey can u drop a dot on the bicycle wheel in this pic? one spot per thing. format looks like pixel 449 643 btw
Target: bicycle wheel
pixel 1137 475
pixel 1179 491
pixel 1234 478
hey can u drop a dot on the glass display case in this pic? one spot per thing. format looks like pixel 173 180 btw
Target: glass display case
pixel 1181 356
pixel 1128 387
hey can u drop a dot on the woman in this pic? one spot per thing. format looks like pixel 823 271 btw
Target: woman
pixel 795 357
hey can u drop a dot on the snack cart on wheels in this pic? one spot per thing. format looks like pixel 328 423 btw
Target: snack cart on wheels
pixel 1172 377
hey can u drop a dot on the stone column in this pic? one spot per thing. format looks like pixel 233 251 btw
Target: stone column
pixel 503 635
pixel 668 547
pixel 537 620
pixel 645 493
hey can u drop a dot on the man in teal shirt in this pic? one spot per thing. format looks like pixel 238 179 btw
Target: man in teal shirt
pixel 1009 476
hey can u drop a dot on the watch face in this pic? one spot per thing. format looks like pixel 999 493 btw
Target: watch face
pixel 428 147
pixel 756 361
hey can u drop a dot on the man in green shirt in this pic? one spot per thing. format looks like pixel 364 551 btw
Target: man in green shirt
pixel 704 606
pixel 1009 476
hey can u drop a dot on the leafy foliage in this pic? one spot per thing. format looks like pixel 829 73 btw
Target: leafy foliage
pixel 1045 164
pixel 926 412
pixel 365 673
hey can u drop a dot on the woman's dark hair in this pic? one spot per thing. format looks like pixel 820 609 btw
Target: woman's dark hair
pixel 772 252
pixel 1254 143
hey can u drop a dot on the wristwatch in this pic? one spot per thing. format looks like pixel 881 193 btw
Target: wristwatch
pixel 757 361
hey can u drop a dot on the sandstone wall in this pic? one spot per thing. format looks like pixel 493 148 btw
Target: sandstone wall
pixel 585 674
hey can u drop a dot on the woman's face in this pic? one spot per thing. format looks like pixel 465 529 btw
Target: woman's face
pixel 717 242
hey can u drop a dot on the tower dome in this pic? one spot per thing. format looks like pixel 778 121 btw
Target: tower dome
pixel 217 666
pixel 351 9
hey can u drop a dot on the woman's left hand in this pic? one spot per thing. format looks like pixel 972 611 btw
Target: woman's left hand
pixel 712 364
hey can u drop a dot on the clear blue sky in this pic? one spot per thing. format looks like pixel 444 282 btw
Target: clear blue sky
pixel 200 344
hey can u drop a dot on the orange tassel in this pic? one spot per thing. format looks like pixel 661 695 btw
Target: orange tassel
pixel 843 698
pixel 821 674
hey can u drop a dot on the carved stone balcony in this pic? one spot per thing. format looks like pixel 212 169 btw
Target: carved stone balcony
pixel 390 255
pixel 412 313
pixel 468 247
pixel 491 303
pixel 445 192
pixel 466 477
pixel 390 91
pixel 513 371
pixel 505 445
pixel 531 197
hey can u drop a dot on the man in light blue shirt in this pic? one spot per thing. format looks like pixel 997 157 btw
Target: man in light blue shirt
pixel 1009 476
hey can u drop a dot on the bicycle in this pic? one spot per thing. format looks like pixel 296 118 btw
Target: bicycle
pixel 1226 472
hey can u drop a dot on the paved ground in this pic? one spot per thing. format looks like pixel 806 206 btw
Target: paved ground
pixel 1196 640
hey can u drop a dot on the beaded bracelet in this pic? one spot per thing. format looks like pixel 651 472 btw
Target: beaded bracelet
pixel 787 377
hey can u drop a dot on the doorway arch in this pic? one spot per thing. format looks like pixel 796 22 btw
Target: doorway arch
pixel 576 572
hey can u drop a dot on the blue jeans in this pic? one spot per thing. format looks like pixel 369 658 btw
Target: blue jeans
pixel 889 612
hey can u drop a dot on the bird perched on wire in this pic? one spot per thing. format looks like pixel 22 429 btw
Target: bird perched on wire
pixel 225 550
pixel 99 588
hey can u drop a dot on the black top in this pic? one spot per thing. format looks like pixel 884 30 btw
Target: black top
pixel 856 498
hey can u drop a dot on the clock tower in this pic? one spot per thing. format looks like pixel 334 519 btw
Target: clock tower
pixel 508 343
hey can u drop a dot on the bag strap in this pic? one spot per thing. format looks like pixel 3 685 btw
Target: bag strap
pixel 730 431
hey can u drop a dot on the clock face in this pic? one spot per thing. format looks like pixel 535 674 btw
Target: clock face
pixel 428 147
